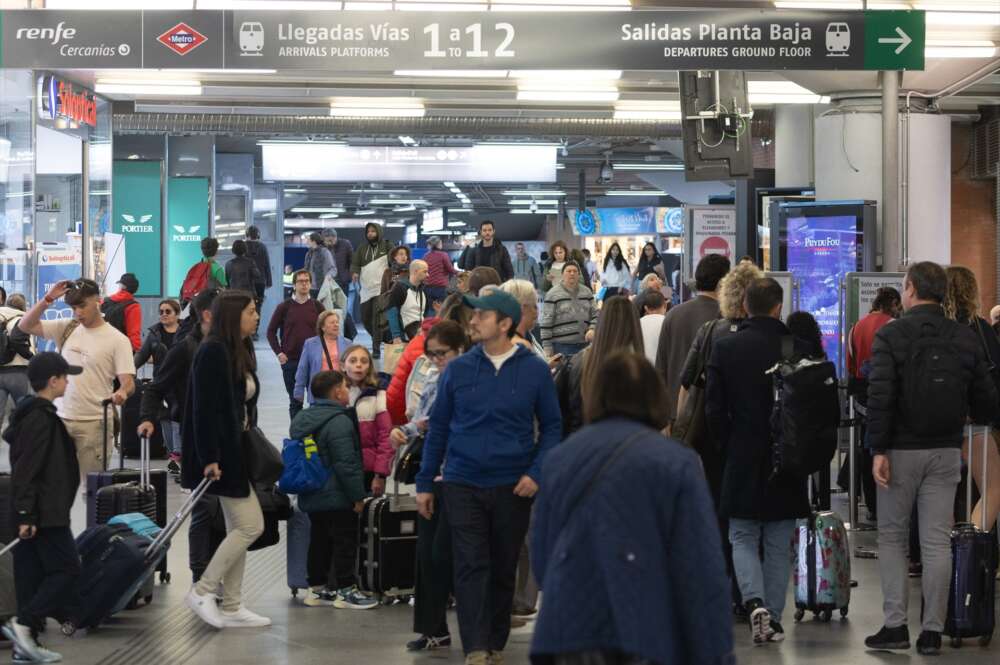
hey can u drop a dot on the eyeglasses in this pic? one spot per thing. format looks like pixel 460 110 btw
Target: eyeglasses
pixel 164 312
pixel 434 355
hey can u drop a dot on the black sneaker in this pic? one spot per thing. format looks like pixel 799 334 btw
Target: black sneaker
pixel 889 638
pixel 929 643
pixel 777 633
pixel 760 621
pixel 429 643
pixel 173 468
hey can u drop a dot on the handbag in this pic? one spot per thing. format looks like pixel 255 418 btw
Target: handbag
pixel 690 427
pixel 409 462
pixel 262 460
pixel 391 354
pixel 276 507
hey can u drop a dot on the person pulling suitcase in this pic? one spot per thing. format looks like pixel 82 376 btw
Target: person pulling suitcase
pixel 45 476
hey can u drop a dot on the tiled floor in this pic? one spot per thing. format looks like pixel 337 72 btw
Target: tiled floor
pixel 166 633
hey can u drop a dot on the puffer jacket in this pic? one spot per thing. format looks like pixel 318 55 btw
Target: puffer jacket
pixel 374 424
pixel 887 423
pixel 396 393
pixel 334 428
pixel 566 317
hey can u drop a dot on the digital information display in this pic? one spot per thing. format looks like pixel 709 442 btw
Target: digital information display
pixel 821 251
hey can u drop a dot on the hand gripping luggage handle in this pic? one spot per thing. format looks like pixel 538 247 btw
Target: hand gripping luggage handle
pixel 179 517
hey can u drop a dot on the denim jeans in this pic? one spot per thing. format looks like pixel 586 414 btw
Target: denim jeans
pixel 767 579
pixel 288 371
pixel 171 437
pixel 13 384
pixel 567 350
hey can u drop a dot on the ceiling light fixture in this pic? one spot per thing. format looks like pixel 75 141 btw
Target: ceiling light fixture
pixel 635 192
pixel 649 167
pixel 529 211
pixel 959 49
pixel 407 141
pixel 453 73
pixel 267 5
pixel 567 96
pixel 390 202
pixel 294 190
pixel 534 192
pixel 148 87
pixel 449 185
pixel 309 210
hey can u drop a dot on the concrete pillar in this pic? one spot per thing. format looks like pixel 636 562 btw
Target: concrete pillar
pixel 793 145
pixel 848 158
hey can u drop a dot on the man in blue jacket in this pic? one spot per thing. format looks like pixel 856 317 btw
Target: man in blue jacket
pixel 483 425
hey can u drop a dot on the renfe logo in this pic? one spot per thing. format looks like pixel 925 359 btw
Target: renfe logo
pixel 53 35
pixel 182 39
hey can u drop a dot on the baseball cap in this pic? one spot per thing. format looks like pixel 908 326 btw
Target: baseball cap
pixel 43 366
pixel 130 282
pixel 496 301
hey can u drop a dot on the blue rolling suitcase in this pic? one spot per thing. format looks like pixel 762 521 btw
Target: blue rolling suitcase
pixel 297 550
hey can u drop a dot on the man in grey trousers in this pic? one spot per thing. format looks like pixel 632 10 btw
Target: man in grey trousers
pixel 928 376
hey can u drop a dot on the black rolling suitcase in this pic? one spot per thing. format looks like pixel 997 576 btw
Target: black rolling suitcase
pixel 387 556
pixel 130 426
pixel 115 565
pixel 971 609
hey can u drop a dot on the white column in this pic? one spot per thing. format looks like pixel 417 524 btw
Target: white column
pixel 793 145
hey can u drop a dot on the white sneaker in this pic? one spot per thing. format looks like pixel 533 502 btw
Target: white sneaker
pixel 205 608
pixel 244 618
pixel 23 640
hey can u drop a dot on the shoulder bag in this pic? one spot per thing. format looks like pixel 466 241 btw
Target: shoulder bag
pixel 690 427
pixel 262 460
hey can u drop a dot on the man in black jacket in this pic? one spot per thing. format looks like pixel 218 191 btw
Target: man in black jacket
pixel 760 506
pixel 257 252
pixel 488 252
pixel 44 479
pixel 170 385
pixel 928 376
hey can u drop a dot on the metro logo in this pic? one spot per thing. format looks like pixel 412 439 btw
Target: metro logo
pixel 182 39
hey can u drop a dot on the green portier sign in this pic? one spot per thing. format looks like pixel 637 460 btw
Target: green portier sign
pixel 894 40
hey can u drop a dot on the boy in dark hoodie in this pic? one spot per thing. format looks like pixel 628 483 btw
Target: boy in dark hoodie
pixel 333 511
pixel 44 479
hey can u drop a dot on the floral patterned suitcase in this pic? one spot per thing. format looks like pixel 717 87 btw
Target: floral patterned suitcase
pixel 822 573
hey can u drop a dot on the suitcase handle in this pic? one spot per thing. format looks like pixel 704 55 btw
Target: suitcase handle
pixel 14 543
pixel 970 429
pixel 105 403
pixel 180 516
pixel 144 462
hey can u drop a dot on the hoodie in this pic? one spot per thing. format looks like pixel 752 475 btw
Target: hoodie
pixel 483 421
pixel 370 261
pixel 44 471
pixel 335 430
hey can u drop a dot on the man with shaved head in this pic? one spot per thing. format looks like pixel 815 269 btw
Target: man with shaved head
pixel 408 303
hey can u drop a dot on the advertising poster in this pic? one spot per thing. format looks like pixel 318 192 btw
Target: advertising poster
pixel 55 265
pixel 821 251
pixel 713 231
pixel 861 290
pixel 187 224
pixel 627 221
pixel 137 218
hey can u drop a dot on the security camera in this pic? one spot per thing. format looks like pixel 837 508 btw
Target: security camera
pixel 534 206
pixel 607 173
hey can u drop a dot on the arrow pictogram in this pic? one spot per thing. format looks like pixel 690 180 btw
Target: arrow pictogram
pixel 903 40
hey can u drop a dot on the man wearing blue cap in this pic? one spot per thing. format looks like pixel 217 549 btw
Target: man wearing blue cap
pixel 483 425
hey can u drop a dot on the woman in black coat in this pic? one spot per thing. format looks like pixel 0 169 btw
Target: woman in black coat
pixel 221 406
pixel 160 338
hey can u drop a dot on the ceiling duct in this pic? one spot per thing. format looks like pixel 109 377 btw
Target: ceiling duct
pixel 294 126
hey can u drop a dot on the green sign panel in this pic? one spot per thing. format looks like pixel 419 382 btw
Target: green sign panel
pixel 187 224
pixel 894 40
pixel 136 216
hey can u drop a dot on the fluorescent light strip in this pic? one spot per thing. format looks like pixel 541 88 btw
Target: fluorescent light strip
pixel 652 166
pixel 451 210
pixel 406 208
pixel 534 192
pixel 147 87
pixel 528 202
pixel 606 7
pixel 453 73
pixel 308 210
pixel 963 18
pixel 449 185
pixel 634 192
pixel 565 96
pixel 456 224
pixel 294 190
pixel 528 211
pixel 391 202
pixel 959 49
pixel 559 75
pixel 376 192
pixel 376 112
pixel 329 215
pixel 761 98
pixel 440 7
pixel 646 115
pixel 263 5
pixel 395 225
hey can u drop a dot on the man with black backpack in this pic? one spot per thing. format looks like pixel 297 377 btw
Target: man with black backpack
pixel 928 375
pixel 122 311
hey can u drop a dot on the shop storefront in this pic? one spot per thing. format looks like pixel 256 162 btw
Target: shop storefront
pixel 55 182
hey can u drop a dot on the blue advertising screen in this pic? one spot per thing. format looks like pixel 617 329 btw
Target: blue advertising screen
pixel 821 250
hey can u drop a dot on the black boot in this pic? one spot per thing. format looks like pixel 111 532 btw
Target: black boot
pixel 889 638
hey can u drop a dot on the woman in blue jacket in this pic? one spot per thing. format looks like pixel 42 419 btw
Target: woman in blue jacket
pixel 625 543
pixel 320 353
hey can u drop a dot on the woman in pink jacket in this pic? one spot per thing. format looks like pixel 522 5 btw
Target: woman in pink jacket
pixel 374 422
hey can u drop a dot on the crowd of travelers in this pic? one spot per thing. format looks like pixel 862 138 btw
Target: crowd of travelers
pixel 615 453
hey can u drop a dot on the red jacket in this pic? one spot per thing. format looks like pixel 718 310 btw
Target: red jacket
pixel 133 318
pixel 860 340
pixel 396 394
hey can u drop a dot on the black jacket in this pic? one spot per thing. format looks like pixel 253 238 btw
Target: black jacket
pixel 887 425
pixel 739 396
pixel 155 346
pixel 342 252
pixel 257 252
pixel 212 428
pixel 45 474
pixel 170 381
pixel 242 274
pixel 498 259
pixel 569 380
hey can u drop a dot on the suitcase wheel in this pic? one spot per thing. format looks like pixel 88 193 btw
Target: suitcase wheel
pixel 985 640
pixel 843 612
pixel 68 628
pixel 799 614
pixel 956 643
pixel 164 578
pixel 148 599
pixel 825 615
pixel 295 592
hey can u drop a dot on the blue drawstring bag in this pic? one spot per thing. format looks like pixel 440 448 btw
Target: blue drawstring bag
pixel 304 471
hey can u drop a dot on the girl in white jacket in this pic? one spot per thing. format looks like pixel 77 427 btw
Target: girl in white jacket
pixel 617 276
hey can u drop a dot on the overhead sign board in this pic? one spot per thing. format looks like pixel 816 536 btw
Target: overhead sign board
pixel 386 41
pixel 628 221
pixel 326 162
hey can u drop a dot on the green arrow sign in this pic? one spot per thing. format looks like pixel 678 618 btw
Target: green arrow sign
pixel 894 40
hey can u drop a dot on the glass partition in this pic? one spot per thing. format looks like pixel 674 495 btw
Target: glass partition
pixel 17 188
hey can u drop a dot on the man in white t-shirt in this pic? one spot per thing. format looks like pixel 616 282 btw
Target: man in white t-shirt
pixel 105 355
pixel 654 310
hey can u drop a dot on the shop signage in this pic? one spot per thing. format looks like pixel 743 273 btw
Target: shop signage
pixel 136 205
pixel 384 41
pixel 60 99
pixel 625 221
pixel 711 230
pixel 54 266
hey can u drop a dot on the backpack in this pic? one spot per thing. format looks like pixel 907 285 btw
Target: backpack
pixel 198 278
pixel 934 388
pixel 15 342
pixel 114 312
pixel 805 415
pixel 304 471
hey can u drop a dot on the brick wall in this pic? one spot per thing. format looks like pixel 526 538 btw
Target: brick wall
pixel 973 222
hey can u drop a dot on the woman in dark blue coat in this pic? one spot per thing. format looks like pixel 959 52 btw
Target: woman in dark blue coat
pixel 625 543
pixel 220 407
